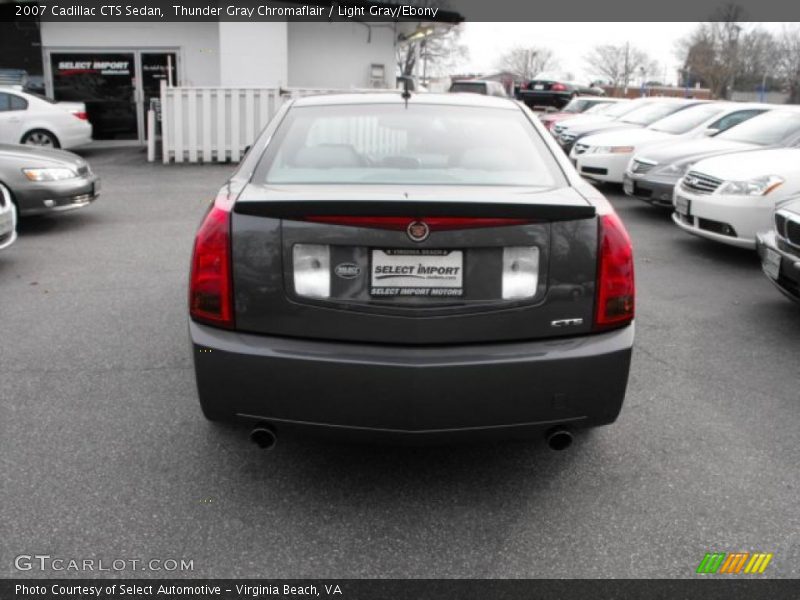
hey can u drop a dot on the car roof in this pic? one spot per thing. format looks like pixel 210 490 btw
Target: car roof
pixel 395 97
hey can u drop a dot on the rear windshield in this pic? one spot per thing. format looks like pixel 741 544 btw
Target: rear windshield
pixel 475 87
pixel 686 120
pixel 418 145
pixel 771 128
pixel 650 113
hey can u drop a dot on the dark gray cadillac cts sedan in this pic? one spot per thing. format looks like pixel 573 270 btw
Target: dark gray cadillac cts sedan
pixel 420 268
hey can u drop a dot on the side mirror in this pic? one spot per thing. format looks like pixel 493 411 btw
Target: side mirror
pixel 710 131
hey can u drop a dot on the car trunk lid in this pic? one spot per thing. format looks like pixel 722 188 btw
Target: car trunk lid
pixel 378 281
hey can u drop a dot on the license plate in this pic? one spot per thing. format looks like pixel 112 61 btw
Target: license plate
pixel 771 263
pixel 627 185
pixel 417 272
pixel 683 206
pixel 538 86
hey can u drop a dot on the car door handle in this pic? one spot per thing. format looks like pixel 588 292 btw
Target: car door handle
pixel 14 120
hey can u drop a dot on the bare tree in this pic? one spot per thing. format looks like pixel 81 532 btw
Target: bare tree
pixel 711 52
pixel 525 62
pixel 787 67
pixel 620 63
pixel 437 53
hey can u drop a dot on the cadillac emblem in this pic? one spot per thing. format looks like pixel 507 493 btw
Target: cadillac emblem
pixel 418 231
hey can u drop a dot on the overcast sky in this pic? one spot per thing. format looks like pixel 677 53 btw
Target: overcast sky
pixel 572 41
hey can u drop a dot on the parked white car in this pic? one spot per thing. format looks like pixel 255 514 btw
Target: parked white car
pixel 27 118
pixel 605 156
pixel 8 218
pixel 730 198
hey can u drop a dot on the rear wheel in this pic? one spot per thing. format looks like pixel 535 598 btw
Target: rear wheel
pixel 41 138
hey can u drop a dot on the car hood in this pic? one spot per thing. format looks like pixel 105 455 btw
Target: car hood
pixel 688 149
pixel 583 129
pixel 588 120
pixel 626 137
pixel 33 156
pixel 747 165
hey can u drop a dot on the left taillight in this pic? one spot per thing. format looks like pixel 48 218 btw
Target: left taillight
pixel 615 285
pixel 210 283
pixel 81 114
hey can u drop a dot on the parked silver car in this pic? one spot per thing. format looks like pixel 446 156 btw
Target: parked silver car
pixel 779 250
pixel 41 180
pixel 8 218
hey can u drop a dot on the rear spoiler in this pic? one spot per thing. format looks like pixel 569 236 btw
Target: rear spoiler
pixel 299 209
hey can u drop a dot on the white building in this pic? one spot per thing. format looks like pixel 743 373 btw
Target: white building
pixel 117 67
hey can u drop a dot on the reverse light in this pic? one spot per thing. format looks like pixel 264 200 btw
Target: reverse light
pixel 312 270
pixel 615 284
pixel 210 283
pixel 759 186
pixel 520 272
pixel 49 174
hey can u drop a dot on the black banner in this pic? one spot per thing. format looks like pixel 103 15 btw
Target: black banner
pixel 392 589
pixel 447 11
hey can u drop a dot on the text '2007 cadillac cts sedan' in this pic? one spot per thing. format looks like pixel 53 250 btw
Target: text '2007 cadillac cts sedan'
pixel 427 267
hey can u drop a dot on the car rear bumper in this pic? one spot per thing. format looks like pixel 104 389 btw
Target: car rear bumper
pixel 56 196
pixel 413 392
pixel 788 280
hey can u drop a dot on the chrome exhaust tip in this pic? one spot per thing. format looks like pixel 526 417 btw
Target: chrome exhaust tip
pixel 559 439
pixel 263 436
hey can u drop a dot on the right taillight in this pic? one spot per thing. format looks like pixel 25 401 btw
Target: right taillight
pixel 210 285
pixel 615 286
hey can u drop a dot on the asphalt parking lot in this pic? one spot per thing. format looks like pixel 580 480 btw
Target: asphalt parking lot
pixel 105 453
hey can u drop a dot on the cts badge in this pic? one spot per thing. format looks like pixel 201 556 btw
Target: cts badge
pixel 418 231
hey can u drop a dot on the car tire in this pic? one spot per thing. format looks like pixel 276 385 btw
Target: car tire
pixel 41 138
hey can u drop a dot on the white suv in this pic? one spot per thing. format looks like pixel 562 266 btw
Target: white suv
pixel 27 118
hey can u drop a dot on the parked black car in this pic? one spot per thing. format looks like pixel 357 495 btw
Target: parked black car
pixel 423 267
pixel 779 250
pixel 554 90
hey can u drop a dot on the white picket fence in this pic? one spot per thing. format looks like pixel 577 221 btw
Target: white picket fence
pixel 212 124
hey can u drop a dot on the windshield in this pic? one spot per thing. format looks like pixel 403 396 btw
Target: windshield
pixel 650 113
pixel 619 109
pixel 769 129
pixel 601 108
pixel 579 105
pixel 418 145
pixel 687 119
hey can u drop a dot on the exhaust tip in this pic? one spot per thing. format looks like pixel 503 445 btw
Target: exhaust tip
pixel 263 436
pixel 559 439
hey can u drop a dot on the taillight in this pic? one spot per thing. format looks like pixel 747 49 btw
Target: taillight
pixel 210 285
pixel 615 286
pixel 81 115
pixel 558 87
